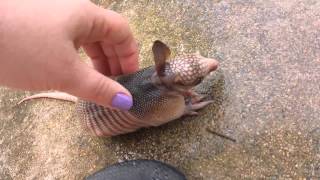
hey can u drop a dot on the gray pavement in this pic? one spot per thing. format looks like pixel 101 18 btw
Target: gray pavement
pixel 266 93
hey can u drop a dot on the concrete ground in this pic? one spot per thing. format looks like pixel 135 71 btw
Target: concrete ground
pixel 266 93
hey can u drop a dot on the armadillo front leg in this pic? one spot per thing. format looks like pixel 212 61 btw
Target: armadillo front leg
pixel 194 96
pixel 192 107
pixel 197 98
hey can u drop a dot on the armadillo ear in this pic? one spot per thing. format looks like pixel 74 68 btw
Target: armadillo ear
pixel 161 53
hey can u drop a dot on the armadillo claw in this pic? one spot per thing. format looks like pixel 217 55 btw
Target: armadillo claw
pixel 190 108
pixel 195 97
pixel 198 98
pixel 200 105
pixel 191 113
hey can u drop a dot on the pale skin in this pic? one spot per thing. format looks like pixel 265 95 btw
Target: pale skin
pixel 39 42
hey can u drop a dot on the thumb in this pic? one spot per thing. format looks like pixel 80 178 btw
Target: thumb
pixel 90 85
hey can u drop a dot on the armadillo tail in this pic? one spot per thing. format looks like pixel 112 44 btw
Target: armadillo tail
pixel 51 95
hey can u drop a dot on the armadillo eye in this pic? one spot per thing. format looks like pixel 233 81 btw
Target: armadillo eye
pixel 198 80
pixel 180 83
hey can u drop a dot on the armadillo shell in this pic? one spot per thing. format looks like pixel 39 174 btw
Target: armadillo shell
pixel 147 98
pixel 138 170
pixel 101 121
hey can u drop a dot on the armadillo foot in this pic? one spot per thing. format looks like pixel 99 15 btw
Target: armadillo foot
pixel 190 108
pixel 198 98
pixel 195 97
pixel 200 105
pixel 191 113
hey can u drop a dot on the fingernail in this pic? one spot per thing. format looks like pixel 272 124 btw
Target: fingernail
pixel 122 101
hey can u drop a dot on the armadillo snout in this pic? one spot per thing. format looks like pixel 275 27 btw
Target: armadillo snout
pixel 209 64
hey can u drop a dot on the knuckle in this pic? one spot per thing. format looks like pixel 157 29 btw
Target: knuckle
pixel 101 89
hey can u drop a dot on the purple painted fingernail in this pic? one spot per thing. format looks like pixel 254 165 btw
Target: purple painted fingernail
pixel 122 101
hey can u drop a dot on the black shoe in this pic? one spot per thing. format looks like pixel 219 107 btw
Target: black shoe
pixel 138 170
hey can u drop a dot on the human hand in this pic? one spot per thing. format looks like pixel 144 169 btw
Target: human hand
pixel 39 42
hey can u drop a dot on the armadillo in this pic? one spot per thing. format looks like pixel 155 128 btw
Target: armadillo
pixel 161 93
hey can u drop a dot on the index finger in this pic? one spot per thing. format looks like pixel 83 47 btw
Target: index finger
pixel 113 32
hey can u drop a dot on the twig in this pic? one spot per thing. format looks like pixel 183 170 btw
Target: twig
pixel 220 135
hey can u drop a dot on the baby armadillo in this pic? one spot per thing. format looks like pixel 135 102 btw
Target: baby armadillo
pixel 161 93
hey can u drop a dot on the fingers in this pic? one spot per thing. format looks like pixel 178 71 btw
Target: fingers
pixel 113 60
pixel 108 41
pixel 118 50
pixel 98 58
pixel 126 54
pixel 87 83
pixel 81 80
